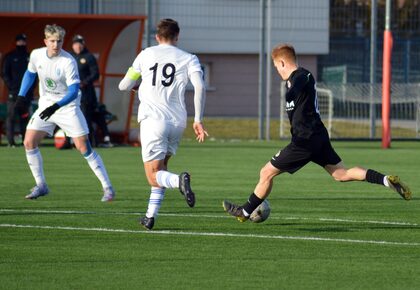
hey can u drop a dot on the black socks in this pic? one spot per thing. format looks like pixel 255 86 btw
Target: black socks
pixel 373 176
pixel 252 203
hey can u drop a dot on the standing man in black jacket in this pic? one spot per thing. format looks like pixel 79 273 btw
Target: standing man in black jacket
pixel 13 68
pixel 89 73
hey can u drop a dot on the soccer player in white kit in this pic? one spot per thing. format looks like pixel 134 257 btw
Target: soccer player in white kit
pixel 165 71
pixel 59 104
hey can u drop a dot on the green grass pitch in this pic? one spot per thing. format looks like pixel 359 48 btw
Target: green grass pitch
pixel 321 234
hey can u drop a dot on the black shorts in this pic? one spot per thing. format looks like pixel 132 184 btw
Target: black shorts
pixel 297 154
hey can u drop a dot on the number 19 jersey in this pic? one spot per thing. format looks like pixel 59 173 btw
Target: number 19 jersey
pixel 165 71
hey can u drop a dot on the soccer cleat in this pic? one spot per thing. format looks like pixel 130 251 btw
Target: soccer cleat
pixel 147 223
pixel 235 210
pixel 396 184
pixel 185 188
pixel 37 191
pixel 109 194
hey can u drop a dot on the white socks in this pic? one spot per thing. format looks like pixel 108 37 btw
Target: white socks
pixel 96 164
pixel 167 179
pixel 386 183
pixel 36 165
pixel 156 196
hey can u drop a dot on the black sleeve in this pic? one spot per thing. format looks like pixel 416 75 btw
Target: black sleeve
pixel 298 83
pixel 6 70
pixel 93 70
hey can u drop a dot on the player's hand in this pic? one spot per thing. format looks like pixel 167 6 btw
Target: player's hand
pixel 199 131
pixel 20 106
pixel 46 114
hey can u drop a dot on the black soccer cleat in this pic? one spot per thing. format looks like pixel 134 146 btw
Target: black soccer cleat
pixel 235 210
pixel 185 188
pixel 397 185
pixel 147 223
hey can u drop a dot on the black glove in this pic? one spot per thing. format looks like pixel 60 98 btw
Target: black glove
pixel 46 114
pixel 20 106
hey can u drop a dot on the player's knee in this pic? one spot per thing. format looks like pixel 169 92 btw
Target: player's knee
pixel 29 144
pixel 340 176
pixel 151 179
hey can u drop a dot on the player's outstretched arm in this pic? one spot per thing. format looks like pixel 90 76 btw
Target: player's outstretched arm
pixel 28 80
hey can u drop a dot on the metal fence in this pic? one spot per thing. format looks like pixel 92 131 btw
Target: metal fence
pixel 346 110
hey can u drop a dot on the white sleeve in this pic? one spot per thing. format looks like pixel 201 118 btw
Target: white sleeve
pixel 72 73
pixel 126 84
pixel 199 95
pixel 131 78
pixel 31 63
pixel 194 65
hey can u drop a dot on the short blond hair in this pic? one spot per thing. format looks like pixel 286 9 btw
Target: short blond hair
pixel 284 51
pixel 54 29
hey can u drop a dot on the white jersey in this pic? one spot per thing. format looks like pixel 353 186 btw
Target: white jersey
pixel 55 75
pixel 165 71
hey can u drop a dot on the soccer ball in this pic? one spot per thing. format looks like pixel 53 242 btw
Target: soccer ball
pixel 261 213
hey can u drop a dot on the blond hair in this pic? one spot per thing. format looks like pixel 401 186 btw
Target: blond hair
pixel 54 29
pixel 284 51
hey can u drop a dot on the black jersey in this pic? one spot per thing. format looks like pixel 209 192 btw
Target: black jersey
pixel 302 106
pixel 14 66
pixel 88 73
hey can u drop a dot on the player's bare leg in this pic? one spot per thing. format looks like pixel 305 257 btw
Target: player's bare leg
pixel 261 192
pixel 32 139
pixel 340 173
pixel 96 164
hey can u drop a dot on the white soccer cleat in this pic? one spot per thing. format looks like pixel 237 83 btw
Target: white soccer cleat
pixel 37 191
pixel 109 194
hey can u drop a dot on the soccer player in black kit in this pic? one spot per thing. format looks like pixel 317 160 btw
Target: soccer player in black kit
pixel 310 140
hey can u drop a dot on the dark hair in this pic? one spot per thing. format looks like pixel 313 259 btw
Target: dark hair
pixel 168 29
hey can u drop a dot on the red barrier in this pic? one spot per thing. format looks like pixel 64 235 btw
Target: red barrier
pixel 386 90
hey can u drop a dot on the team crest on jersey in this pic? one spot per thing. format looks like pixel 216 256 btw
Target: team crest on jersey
pixel 50 84
pixel 83 60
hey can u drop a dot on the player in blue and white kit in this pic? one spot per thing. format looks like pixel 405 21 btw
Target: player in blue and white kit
pixel 59 104
pixel 165 71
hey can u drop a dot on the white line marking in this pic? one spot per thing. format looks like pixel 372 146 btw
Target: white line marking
pixel 210 234
pixel 210 216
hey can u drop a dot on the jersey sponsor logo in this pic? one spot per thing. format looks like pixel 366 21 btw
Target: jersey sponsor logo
pixel 49 83
pixel 290 106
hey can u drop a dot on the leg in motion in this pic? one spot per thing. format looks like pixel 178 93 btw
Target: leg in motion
pixel 96 164
pixel 261 192
pixel 35 162
pixel 340 173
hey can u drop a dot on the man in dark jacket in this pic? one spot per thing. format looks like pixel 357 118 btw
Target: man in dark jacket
pixel 14 66
pixel 89 73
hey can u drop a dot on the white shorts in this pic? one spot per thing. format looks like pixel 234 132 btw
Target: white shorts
pixel 69 118
pixel 158 139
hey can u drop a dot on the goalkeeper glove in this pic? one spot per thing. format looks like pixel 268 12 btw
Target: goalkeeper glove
pixel 46 114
